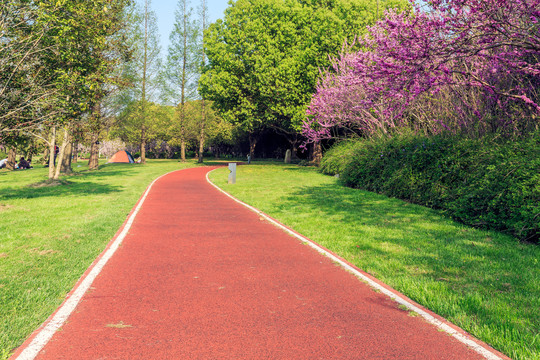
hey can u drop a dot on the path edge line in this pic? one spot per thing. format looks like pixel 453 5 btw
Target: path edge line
pixel 43 334
pixel 454 330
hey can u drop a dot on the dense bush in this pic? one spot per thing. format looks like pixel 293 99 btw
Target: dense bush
pixel 486 183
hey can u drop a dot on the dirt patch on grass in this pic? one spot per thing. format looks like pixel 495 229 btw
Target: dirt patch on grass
pixel 3 255
pixel 49 183
pixel 42 252
pixel 4 207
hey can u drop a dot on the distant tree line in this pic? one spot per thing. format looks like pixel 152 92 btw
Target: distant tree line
pixel 85 72
pixel 59 61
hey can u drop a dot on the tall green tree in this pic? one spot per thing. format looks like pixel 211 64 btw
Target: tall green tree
pixel 60 56
pixel 143 75
pixel 87 49
pixel 183 66
pixel 266 55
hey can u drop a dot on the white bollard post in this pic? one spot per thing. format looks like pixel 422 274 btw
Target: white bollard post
pixel 232 174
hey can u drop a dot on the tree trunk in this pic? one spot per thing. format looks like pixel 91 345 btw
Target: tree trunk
pixel 143 149
pixel 75 151
pixel 93 162
pixel 45 159
pixel 316 155
pixel 294 148
pixel 66 161
pixel 182 150
pixel 201 139
pixel 252 143
pixel 11 159
pixel 52 144
pixel 62 153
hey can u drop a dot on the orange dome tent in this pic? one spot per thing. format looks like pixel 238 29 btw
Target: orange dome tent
pixel 122 156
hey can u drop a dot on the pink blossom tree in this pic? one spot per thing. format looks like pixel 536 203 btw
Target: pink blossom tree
pixel 451 65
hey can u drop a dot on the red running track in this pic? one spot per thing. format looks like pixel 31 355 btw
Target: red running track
pixel 201 277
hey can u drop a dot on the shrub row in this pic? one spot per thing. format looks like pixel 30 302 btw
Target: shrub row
pixel 486 183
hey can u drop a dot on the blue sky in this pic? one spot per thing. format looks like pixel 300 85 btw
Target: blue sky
pixel 165 13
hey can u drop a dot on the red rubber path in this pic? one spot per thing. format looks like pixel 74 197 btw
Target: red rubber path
pixel 201 277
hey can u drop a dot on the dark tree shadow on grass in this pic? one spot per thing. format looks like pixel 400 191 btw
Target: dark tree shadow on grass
pixel 427 245
pixel 40 190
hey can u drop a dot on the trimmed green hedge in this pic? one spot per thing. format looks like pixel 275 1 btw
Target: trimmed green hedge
pixel 480 182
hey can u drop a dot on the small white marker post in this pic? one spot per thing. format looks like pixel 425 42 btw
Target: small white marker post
pixel 232 174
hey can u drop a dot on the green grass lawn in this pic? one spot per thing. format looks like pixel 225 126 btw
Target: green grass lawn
pixel 49 235
pixel 485 282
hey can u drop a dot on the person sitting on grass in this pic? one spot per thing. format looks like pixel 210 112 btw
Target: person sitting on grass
pixel 3 163
pixel 23 164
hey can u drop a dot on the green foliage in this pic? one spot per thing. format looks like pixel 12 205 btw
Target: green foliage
pixel 57 59
pixel 486 183
pixel 266 55
pixel 138 122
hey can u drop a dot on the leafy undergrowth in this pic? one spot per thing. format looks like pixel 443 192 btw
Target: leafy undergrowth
pixel 486 282
pixel 51 232
pixel 487 183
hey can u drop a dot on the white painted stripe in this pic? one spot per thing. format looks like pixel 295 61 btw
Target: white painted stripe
pixel 488 354
pixel 65 310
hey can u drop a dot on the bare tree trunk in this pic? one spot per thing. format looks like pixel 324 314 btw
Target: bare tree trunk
pixel 52 152
pixel 93 162
pixel 143 151
pixel 75 151
pixel 182 150
pixel 11 159
pixel 66 161
pixel 316 155
pixel 45 159
pixel 30 151
pixel 252 143
pixel 201 139
pixel 62 153
pixel 294 152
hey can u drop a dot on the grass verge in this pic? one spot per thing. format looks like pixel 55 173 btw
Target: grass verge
pixel 483 281
pixel 50 234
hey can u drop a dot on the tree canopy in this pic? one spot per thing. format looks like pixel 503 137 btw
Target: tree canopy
pixel 266 55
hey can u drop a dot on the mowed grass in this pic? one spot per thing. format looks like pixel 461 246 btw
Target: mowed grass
pixel 49 235
pixel 485 282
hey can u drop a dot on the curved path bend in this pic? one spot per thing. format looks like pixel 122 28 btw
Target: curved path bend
pixel 199 276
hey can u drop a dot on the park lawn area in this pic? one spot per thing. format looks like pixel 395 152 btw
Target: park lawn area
pixel 49 235
pixel 483 281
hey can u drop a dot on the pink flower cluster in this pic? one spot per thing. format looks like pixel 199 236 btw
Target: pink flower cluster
pixel 449 65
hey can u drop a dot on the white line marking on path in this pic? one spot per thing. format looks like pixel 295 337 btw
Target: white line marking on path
pixel 46 333
pixel 441 325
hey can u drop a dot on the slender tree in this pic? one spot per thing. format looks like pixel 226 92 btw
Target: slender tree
pixel 142 72
pixel 203 12
pixel 183 65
